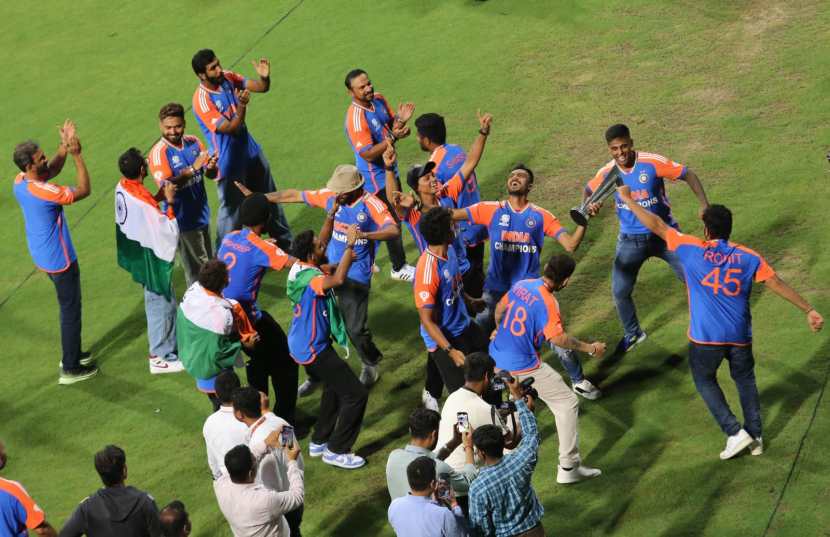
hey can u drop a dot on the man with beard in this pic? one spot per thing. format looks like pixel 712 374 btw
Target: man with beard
pixel 47 235
pixel 220 104
pixel 182 160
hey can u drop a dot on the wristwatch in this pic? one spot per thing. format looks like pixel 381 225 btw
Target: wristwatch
pixel 448 349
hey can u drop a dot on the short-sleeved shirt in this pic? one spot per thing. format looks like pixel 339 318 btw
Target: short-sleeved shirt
pixel 448 159
pixel 369 213
pixel 310 332
pixel 411 219
pixel 167 161
pixel 719 276
pixel 47 232
pixel 438 287
pixel 364 128
pixel 18 511
pixel 248 257
pixel 645 179
pixel 516 240
pixel 531 316
pixel 213 108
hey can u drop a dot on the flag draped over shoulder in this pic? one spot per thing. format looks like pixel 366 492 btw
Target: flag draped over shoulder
pixel 298 279
pixel 145 236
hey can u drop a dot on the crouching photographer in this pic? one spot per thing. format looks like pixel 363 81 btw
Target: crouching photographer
pixel 502 500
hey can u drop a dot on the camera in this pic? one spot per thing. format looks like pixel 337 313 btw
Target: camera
pixel 527 388
pixel 500 380
pixel 287 435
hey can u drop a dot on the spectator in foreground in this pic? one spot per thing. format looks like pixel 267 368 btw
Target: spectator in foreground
pixel 116 509
pixel 421 514
pixel 222 431
pixel 502 500
pixel 18 511
pixel 251 508
pixel 175 522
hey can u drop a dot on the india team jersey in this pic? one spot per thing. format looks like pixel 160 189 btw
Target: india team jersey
pixel 213 108
pixel 719 276
pixel 413 217
pixel 248 257
pixel 366 127
pixel 448 160
pixel 47 232
pixel 310 330
pixel 438 286
pixel 516 239
pixel 18 511
pixel 645 180
pixel 167 161
pixel 531 317
pixel 368 212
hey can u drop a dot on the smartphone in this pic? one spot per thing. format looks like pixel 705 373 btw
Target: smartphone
pixel 463 421
pixel 442 490
pixel 287 435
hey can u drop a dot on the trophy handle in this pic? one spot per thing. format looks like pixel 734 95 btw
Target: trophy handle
pixel 579 216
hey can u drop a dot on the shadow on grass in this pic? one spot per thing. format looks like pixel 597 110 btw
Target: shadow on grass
pixel 366 516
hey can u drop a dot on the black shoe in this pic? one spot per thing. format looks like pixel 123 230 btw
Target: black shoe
pixel 77 375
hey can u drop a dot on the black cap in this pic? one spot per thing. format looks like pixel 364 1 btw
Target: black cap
pixel 416 172
pixel 254 210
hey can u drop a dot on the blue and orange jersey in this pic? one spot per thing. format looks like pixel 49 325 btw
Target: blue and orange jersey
pixel 47 232
pixel 719 276
pixel 310 332
pixel 18 511
pixel 369 213
pixel 645 179
pixel 448 159
pixel 411 219
pixel 531 317
pixel 364 128
pixel 438 286
pixel 213 108
pixel 167 161
pixel 516 240
pixel 248 256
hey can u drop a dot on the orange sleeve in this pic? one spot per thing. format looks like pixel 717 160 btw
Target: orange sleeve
pixel 159 166
pixel 204 108
pixel 427 282
pixel 764 271
pixel 598 178
pixel 552 226
pixel 34 514
pixel 665 168
pixel 454 187
pixel 277 259
pixel 553 326
pixel 378 211
pixel 675 239
pixel 482 212
pixel 358 131
pixel 60 195
pixel 316 285
pixel 242 323
pixel 317 198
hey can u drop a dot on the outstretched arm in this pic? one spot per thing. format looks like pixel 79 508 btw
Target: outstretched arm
pixel 597 348
pixel 694 183
pixel 780 288
pixel 571 242
pixel 477 149
pixel 288 195
pixel 650 220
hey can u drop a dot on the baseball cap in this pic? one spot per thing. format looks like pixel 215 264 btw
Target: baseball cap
pixel 416 172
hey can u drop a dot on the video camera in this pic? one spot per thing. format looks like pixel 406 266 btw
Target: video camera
pixel 501 379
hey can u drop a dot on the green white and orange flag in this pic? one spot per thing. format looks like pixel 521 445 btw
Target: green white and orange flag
pixel 146 237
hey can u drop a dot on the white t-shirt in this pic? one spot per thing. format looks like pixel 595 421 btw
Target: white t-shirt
pixel 222 432
pixel 272 471
pixel 479 412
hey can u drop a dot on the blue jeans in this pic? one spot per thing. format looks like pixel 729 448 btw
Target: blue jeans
pixel 632 252
pixel 257 177
pixel 570 361
pixel 704 361
pixel 161 324
pixel 68 287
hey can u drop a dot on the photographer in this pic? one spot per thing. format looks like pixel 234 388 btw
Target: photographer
pixel 502 500
pixel 423 512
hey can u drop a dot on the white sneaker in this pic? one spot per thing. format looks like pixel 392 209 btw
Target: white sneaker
pixel 349 461
pixel 576 474
pixel 429 401
pixel 375 268
pixel 159 366
pixel 586 389
pixel 405 274
pixel 307 388
pixel 757 447
pixel 735 444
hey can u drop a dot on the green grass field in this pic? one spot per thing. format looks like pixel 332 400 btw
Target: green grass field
pixel 736 90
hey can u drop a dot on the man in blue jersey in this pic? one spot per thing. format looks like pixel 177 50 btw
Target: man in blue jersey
pixel 220 104
pixel 526 317
pixel 719 275
pixel 448 160
pixel 248 257
pixel 316 321
pixel 644 173
pixel 371 127
pixel 183 160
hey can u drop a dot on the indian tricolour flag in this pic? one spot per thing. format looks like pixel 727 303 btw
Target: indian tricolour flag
pixel 145 236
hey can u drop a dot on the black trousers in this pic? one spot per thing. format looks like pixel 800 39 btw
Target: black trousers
pixel 474 277
pixel 433 384
pixel 472 339
pixel 294 519
pixel 395 246
pixel 342 405
pixel 270 358
pixel 353 300
pixel 68 288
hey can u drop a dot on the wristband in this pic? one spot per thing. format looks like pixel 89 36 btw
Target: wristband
pixel 593 350
pixel 448 349
pixel 483 132
pixel 809 310
pixel 389 168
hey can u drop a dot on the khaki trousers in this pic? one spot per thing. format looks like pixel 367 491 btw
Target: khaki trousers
pixel 194 249
pixel 562 401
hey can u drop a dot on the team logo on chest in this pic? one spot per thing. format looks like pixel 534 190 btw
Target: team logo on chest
pixel 447 275
pixel 643 177
pixel 375 123
pixel 361 217
pixel 531 223
pixel 504 220
pixel 176 159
